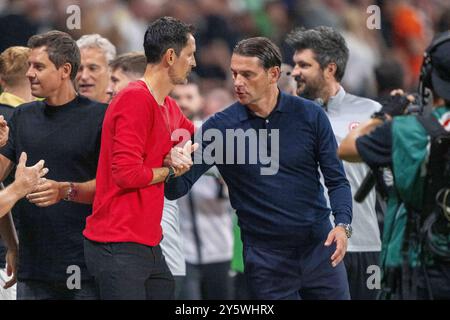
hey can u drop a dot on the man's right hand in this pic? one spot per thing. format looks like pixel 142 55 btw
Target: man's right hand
pixel 180 158
pixel 27 179
pixel 4 131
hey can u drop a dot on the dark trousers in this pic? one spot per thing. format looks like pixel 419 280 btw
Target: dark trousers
pixel 209 281
pixel 129 271
pixel 438 282
pixel 295 273
pixel 41 290
pixel 179 280
pixel 357 264
pixel 240 288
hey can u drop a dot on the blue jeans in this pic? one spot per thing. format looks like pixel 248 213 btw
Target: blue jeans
pixel 40 290
pixel 295 273
pixel 129 271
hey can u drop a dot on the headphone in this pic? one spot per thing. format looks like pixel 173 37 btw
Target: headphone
pixel 425 84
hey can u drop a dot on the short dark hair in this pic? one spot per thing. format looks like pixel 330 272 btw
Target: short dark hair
pixel 131 62
pixel 163 34
pixel 326 43
pixel 262 48
pixel 61 49
pixel 389 75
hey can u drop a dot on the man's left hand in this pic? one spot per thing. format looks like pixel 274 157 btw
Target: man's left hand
pixel 46 194
pixel 339 236
pixel 11 268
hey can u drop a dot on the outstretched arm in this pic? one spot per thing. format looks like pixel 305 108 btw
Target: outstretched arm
pixel 178 187
pixel 26 180
pixel 51 192
pixel 347 149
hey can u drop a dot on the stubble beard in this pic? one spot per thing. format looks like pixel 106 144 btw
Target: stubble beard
pixel 313 89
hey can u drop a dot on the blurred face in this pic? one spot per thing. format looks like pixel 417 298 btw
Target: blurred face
pixel 309 75
pixel 216 101
pixel 93 76
pixel 251 80
pixel 119 80
pixel 45 79
pixel 188 98
pixel 183 64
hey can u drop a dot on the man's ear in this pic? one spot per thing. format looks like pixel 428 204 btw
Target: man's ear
pixel 66 70
pixel 170 56
pixel 274 74
pixel 330 71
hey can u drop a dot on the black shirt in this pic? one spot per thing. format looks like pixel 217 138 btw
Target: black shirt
pixel 375 148
pixel 67 137
pixel 6 111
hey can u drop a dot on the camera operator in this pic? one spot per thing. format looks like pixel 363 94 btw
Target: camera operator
pixel 415 253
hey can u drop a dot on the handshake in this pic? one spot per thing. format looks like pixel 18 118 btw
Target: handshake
pixel 27 179
pixel 180 158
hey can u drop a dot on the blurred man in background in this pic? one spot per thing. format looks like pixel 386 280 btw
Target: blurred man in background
pixel 94 74
pixel 126 68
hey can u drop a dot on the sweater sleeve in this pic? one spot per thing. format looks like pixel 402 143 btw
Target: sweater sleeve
pixel 132 122
pixel 339 191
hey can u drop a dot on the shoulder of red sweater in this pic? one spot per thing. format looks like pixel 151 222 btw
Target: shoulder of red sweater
pixel 135 87
pixel 132 93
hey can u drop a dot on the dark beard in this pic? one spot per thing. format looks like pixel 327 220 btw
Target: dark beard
pixel 310 94
pixel 313 90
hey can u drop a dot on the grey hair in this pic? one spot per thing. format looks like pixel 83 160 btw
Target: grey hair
pixel 326 43
pixel 97 41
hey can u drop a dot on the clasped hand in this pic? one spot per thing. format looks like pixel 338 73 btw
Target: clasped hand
pixel 180 158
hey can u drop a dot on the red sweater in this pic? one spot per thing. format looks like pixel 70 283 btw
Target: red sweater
pixel 135 139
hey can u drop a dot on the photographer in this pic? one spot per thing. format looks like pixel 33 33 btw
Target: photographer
pixel 415 252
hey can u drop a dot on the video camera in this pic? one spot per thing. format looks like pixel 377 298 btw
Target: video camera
pixel 394 106
pixel 400 105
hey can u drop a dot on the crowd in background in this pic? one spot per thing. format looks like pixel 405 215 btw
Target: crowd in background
pixel 405 28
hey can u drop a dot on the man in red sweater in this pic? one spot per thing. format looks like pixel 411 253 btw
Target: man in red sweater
pixel 124 231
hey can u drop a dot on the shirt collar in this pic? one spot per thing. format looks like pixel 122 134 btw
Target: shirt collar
pixel 11 99
pixel 245 113
pixel 336 101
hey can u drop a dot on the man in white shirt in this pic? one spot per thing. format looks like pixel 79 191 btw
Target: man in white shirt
pixel 320 59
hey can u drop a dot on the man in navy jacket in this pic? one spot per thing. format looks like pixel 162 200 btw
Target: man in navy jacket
pixel 291 250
